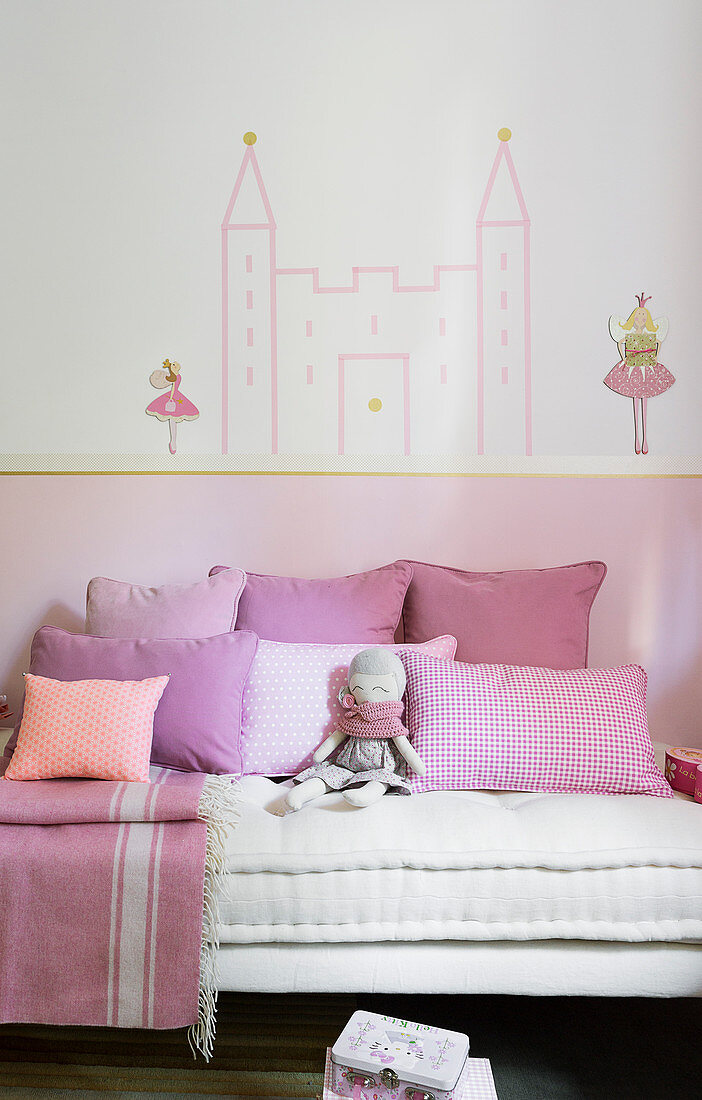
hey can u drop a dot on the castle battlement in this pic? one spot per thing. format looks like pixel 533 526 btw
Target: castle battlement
pixel 356 272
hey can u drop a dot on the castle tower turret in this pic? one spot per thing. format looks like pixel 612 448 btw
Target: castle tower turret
pixel 503 312
pixel 249 324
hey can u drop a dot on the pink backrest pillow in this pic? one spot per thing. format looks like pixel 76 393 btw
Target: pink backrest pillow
pixel 290 700
pixel 537 617
pixel 99 729
pixel 365 606
pixel 117 609
pixel 496 727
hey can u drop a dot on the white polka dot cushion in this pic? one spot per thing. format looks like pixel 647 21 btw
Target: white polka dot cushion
pixel 497 727
pixel 290 700
pixel 99 729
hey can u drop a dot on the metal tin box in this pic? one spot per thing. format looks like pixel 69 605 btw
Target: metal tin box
pixel 399 1059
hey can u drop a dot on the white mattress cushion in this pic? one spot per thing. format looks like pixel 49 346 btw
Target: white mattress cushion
pixel 572 968
pixel 469 865
pixel 632 904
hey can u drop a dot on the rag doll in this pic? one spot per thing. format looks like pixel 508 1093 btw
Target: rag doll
pixel 377 746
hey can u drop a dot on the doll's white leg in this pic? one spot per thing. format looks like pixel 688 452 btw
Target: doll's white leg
pixel 305 792
pixel 173 426
pixel 367 794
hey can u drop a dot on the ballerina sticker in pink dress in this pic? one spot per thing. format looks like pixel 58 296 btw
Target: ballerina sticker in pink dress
pixel 173 406
pixel 638 374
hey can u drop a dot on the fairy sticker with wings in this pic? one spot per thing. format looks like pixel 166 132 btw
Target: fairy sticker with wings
pixel 638 374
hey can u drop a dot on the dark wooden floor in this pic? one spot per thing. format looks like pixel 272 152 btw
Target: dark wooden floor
pixel 273 1046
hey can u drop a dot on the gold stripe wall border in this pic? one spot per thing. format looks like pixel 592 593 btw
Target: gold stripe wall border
pixel 315 465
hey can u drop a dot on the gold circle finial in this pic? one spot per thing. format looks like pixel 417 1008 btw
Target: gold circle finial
pixel 249 138
pixel 504 134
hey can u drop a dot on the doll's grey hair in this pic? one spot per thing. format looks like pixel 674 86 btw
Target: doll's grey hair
pixel 380 662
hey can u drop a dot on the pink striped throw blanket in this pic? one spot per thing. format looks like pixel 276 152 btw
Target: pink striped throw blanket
pixel 108 896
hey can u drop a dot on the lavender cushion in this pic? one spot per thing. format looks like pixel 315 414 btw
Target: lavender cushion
pixel 537 617
pixel 116 609
pixel 197 725
pixel 291 700
pixel 364 606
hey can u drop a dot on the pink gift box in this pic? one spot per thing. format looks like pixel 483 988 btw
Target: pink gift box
pixel 681 768
pixel 698 784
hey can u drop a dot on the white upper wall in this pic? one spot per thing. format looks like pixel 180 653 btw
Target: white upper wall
pixel 376 126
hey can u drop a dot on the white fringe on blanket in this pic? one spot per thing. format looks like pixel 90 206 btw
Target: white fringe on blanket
pixel 219 808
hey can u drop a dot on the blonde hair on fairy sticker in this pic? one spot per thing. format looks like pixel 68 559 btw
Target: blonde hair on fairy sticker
pixel 173 368
pixel 629 323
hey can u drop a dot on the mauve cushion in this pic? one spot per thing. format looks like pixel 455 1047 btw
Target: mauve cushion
pixel 527 617
pixel 364 606
pixel 197 725
pixel 117 609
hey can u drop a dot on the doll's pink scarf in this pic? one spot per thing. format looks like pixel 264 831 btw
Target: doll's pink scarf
pixel 380 720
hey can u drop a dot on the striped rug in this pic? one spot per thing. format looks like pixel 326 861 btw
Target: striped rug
pixel 267 1045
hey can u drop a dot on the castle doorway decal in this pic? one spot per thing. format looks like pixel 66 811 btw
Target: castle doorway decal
pixel 374 403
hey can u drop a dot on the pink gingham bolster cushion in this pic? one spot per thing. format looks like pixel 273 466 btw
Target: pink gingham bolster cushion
pixel 498 727
pixel 99 729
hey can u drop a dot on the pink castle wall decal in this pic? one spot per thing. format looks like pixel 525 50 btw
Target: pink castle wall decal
pixel 377 366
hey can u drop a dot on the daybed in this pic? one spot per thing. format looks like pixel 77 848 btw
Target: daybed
pixel 465 892
pixel 455 889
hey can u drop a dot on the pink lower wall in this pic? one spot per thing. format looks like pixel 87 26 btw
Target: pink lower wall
pixel 60 531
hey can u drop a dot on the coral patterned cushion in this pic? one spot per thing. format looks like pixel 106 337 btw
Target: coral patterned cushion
pixel 99 729
pixel 291 704
pixel 497 727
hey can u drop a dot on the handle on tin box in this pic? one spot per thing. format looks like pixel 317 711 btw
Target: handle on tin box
pixel 361 1082
pixel 417 1094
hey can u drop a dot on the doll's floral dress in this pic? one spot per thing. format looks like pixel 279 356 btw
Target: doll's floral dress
pixel 368 753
